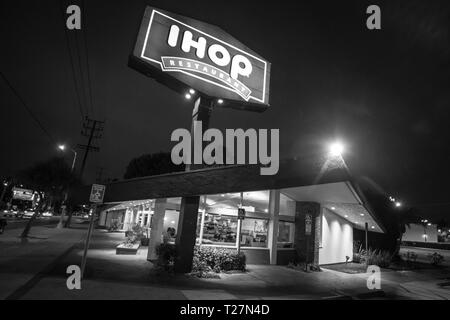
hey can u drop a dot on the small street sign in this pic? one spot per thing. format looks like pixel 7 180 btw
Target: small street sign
pixel 241 213
pixel 308 224
pixel 97 193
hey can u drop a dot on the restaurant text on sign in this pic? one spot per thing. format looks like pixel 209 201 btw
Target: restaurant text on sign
pixel 202 57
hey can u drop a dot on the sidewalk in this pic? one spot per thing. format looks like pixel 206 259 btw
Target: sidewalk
pixel 111 276
pixel 22 260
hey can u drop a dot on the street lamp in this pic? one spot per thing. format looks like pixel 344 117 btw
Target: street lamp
pixel 5 185
pixel 336 149
pixel 62 147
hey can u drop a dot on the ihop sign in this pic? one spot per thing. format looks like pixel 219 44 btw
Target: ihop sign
pixel 184 54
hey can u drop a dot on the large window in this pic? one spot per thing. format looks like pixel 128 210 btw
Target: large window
pixel 254 233
pixel 220 225
pixel 220 230
pixel 287 206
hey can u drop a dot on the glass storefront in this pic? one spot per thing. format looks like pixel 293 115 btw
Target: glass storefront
pixel 220 230
pixel 217 222
pixel 254 233
pixel 286 226
pixel 285 237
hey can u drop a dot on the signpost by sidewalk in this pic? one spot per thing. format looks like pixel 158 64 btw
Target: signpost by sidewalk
pixel 96 197
pixel 308 224
pixel 241 216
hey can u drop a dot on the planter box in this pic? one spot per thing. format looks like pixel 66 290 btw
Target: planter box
pixel 123 249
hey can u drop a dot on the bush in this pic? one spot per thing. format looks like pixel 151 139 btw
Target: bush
pixel 381 258
pixel 166 255
pixel 207 259
pixel 358 252
pixel 436 259
pixel 115 225
pixel 139 231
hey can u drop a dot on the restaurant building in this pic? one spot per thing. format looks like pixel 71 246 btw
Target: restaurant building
pixel 307 212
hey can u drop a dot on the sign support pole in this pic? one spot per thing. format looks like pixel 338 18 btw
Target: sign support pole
pixel 240 227
pixel 366 231
pixel 88 239
pixel 186 233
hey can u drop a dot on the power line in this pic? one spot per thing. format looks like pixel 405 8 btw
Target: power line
pixel 80 67
pixel 83 30
pixel 74 78
pixel 31 113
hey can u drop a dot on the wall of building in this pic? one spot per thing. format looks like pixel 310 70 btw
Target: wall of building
pixel 417 232
pixel 337 239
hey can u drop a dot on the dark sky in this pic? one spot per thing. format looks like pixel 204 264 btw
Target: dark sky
pixel 384 93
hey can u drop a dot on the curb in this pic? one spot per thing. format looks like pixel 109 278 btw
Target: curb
pixel 359 296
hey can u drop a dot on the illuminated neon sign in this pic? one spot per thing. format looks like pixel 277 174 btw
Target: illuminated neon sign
pixel 23 194
pixel 200 56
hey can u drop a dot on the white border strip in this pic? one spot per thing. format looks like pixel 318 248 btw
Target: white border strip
pixel 189 74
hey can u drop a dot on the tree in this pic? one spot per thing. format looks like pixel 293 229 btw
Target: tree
pixel 393 219
pixel 151 164
pixel 49 179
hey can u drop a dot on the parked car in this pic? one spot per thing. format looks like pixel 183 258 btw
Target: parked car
pixel 47 214
pixel 9 213
pixel 27 214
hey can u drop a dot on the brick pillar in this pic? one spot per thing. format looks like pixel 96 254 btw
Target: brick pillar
pixel 186 234
pixel 307 238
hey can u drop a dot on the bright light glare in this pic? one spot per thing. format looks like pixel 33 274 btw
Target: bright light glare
pixel 336 149
pixel 220 101
pixel 61 147
pixel 187 96
pixel 191 91
pixel 398 204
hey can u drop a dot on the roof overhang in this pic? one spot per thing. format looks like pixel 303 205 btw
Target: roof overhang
pixel 341 199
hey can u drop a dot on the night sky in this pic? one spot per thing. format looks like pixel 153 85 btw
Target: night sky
pixel 384 93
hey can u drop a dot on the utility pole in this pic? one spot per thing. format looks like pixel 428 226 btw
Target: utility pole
pixel 92 129
pixel 99 177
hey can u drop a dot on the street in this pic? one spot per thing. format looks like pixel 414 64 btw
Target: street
pixel 21 223
pixel 423 254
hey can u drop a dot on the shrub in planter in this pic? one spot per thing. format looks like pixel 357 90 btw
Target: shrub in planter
pixel 217 259
pixel 114 226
